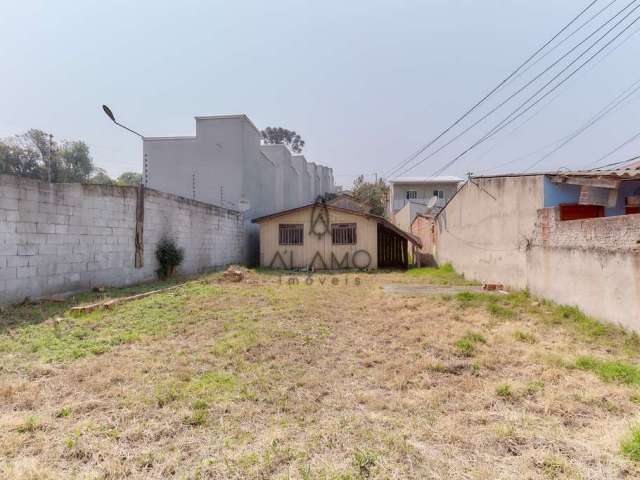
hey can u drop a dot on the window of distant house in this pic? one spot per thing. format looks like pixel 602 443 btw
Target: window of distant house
pixel 290 234
pixel 343 233
pixel 438 193
pixel 412 194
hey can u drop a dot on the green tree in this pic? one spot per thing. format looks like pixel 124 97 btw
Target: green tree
pixel 100 177
pixel 33 153
pixel 279 135
pixel 132 179
pixel 375 194
pixel 16 160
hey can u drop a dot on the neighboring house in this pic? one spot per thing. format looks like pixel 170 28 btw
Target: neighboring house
pixel 407 214
pixel 419 191
pixel 573 237
pixel 225 164
pixel 423 227
pixel 348 201
pixel 319 236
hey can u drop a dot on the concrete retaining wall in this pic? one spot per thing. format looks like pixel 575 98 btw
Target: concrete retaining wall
pixel 68 237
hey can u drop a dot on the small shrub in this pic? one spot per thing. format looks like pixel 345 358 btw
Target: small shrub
pixel 630 446
pixel 504 391
pixel 524 337
pixel 169 256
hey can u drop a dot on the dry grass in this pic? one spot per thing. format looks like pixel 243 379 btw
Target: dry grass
pixel 263 379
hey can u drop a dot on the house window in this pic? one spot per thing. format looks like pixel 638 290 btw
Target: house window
pixel 343 233
pixel 290 233
pixel 438 193
pixel 412 194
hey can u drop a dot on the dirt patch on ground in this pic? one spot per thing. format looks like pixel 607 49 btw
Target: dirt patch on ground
pixel 410 289
pixel 327 380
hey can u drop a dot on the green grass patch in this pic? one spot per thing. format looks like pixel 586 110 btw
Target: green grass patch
pixel 501 311
pixel 610 371
pixel 524 337
pixel 98 332
pixel 630 446
pixel 443 275
pixel 504 391
pixel 466 346
pixel 365 462
pixel 534 387
pixel 30 424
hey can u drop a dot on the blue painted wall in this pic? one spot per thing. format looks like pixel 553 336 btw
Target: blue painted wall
pixel 555 194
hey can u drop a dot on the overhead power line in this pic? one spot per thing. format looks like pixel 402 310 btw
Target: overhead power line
pixel 511 118
pixel 616 149
pixel 546 105
pixel 555 47
pixel 602 113
pixel 494 90
pixel 530 82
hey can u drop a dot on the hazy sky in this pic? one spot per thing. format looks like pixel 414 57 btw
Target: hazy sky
pixel 365 82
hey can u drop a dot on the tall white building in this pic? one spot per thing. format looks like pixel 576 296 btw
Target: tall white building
pixel 224 164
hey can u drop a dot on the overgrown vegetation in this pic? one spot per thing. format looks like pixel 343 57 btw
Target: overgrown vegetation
pixel 264 380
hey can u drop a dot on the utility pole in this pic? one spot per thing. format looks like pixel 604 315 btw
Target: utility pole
pixel 49 162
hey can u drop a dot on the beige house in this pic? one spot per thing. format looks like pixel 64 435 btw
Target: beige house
pixel 321 236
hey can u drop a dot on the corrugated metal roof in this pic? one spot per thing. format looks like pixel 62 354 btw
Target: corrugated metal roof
pixel 628 173
pixel 441 179
pixel 619 174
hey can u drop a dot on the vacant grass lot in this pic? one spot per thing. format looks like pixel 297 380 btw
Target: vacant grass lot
pixel 334 380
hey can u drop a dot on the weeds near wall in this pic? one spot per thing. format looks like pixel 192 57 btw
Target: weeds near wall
pixel 169 256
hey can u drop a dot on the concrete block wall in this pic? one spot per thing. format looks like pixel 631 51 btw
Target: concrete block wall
pixel 593 263
pixel 67 237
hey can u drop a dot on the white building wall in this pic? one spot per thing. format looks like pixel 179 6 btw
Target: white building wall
pixel 305 190
pixel 287 177
pixel 398 193
pixel 225 163
pixel 314 186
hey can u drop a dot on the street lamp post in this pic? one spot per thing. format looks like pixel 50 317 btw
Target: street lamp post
pixel 110 114
pixel 139 243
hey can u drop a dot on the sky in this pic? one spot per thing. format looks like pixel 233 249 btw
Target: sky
pixel 366 83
